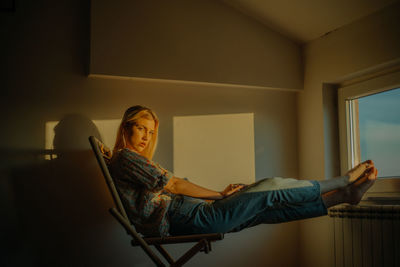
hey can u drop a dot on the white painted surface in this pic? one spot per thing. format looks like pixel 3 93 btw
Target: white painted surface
pixel 215 150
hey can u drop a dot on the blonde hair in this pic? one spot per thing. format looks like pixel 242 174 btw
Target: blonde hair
pixel 125 130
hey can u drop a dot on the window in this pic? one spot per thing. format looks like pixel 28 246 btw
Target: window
pixel 369 125
pixel 379 130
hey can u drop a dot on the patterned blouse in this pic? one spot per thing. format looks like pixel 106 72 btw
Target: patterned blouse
pixel 140 182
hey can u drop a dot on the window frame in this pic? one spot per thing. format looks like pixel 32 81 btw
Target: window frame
pixel 348 125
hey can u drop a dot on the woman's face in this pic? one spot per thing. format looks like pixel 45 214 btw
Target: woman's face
pixel 142 133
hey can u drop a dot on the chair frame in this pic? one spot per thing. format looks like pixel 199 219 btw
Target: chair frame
pixel 203 241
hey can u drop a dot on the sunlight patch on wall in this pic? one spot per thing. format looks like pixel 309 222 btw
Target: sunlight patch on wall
pixel 215 150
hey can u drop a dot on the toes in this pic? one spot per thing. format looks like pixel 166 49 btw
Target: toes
pixel 366 175
pixel 359 171
pixel 375 173
pixel 368 163
pixel 372 173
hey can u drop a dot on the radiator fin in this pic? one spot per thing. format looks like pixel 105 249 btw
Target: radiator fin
pixel 366 236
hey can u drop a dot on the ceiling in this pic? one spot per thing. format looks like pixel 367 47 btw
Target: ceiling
pixel 306 20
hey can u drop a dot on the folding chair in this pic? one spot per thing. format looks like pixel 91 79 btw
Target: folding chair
pixel 203 241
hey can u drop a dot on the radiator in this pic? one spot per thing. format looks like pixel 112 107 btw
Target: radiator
pixel 366 235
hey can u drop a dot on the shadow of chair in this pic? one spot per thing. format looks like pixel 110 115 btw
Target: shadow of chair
pixel 202 241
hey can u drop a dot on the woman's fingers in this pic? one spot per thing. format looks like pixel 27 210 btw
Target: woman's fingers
pixel 234 188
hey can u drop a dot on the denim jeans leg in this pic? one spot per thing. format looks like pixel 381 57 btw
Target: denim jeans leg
pixel 183 215
pixel 285 213
pixel 270 200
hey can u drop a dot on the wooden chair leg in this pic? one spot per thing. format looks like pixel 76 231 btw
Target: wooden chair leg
pixel 190 253
pixel 207 248
pixel 165 254
pixel 133 233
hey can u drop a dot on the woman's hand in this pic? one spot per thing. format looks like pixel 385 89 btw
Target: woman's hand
pixel 180 186
pixel 231 189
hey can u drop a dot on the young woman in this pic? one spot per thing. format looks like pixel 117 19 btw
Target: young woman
pixel 160 204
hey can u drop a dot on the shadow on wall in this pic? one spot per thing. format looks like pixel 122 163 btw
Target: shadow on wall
pixel 72 132
pixel 56 209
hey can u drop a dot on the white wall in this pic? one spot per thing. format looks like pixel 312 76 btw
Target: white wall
pixel 201 40
pixel 215 150
pixel 348 51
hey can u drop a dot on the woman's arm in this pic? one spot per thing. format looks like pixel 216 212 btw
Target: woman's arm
pixel 180 186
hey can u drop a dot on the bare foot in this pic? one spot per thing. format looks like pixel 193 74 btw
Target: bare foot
pixel 358 188
pixel 359 170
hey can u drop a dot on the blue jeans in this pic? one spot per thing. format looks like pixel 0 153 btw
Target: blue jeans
pixel 270 200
